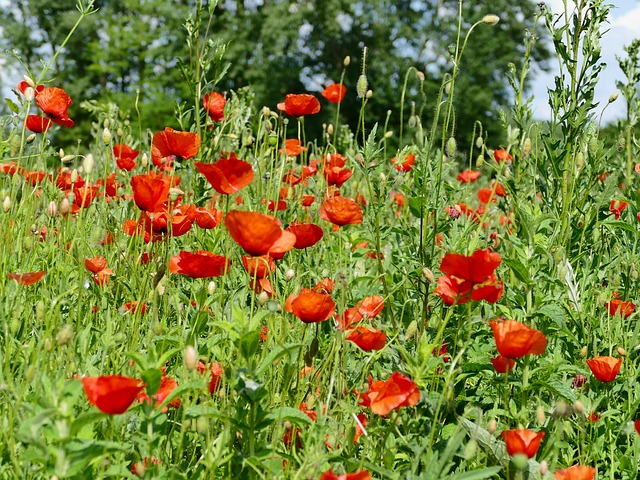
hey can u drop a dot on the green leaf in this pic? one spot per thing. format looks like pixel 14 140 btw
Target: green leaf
pixel 84 420
pixel 416 206
pixel 478 474
pixel 518 269
pixel 553 312
pixel 12 106
pixel 152 377
pixel 276 354
pixel 249 343
pixel 287 413
pixel 560 389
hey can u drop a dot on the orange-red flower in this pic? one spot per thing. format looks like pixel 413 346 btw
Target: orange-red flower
pixel 341 211
pixel 576 472
pixel 150 191
pixel 502 155
pixel 624 308
pixel 406 165
pixel 522 441
pixel 503 364
pixel 201 264
pixel 330 475
pixel 313 307
pixel 112 394
pixel 515 339
pixel 617 207
pixel 307 234
pixel 208 218
pixel 605 369
pixel 55 102
pixel 37 123
pixel 28 278
pixel 298 105
pixel 468 176
pixel 367 339
pixel 167 385
pixel 335 175
pixel 292 147
pixel 335 92
pixel 169 144
pixel 386 395
pixel 214 103
pixel 227 175
pixel 125 156
pixel 258 234
pixel 98 266
pixel 259 267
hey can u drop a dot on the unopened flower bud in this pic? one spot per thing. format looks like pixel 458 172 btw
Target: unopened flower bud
pixel 40 311
pixel 74 176
pixel 420 76
pixel 190 357
pixel 52 209
pixel 479 161
pixel 290 274
pixel 263 298
pixel 29 93
pixel 383 177
pixel 492 427
pixel 346 61
pixel 330 129
pixel 451 147
pixel 427 275
pixel 613 97
pixel 120 132
pixel 578 406
pixel 67 158
pixel 579 160
pixel 544 468
pixel 526 147
pixel 31 138
pixel 14 145
pixel 411 330
pixel 211 287
pixel 470 449
pixel 144 160
pixel 447 87
pixel 47 345
pixel 61 153
pixel 106 136
pixel 479 142
pixel 174 193
pixel 65 206
pixel 87 163
pixel 540 415
pixel 361 86
pixel 491 19
pixel 583 351
pixel 29 81
pixel 369 94
pixel 106 123
pixel 65 335
pixel 388 134
pixel 266 111
pixel 6 204
pixel 202 425
pixel 621 351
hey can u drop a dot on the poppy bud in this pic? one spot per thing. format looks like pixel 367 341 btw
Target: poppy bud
pixel 420 76
pixel 411 330
pixel 383 177
pixel 273 140
pixel 266 111
pixel 470 449
pixel 139 469
pixel 491 19
pixel 413 121
pixel 493 426
pixel 593 145
pixel 583 351
pixel 6 204
pixel 31 138
pixel 479 161
pixel 74 176
pixel 447 87
pixel 544 468
pixel 526 147
pixel 64 335
pixel 67 158
pixel 106 123
pixel 106 136
pixel 144 160
pixel 520 461
pixel 190 357
pixel 621 351
pixel 452 146
pixel 120 133
pixel 507 173
pixel 479 142
pixel 578 406
pixel 211 287
pixel 346 61
pixel 290 274
pixel 388 134
pixel 47 345
pixel 29 93
pixel 540 415
pixel 29 81
pixel 369 94
pixel 202 425
pixel 14 146
pixel 174 193
pixel 61 153
pixel 87 163
pixel 612 98
pixel 263 298
pixel 579 160
pixel 427 275
pixel 361 86
pixel 40 311
pixel 65 206
pixel 330 129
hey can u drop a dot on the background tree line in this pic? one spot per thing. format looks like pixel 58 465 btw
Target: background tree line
pixel 130 48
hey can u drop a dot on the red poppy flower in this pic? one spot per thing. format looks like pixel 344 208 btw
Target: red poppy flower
pixel 503 364
pixel 134 307
pixel 341 211
pixel 216 378
pixel 307 234
pixel 259 267
pixel 201 264
pixel 406 165
pixel 298 105
pixel 112 394
pixel 9 168
pixel 360 426
pixel 307 200
pixel 367 339
pixel 313 307
pixel 576 472
pixel 292 147
pixel 498 189
pixel 335 92
pixel 110 185
pixel 336 175
pixel 468 176
pixel 214 103
pixel 227 175
pixel 167 385
pixel 515 339
pixel 208 218
pixel 617 207
pixel 125 156
pixel 37 123
pixel 28 278
pixel 258 234
pixel 36 177
pixel 636 425
pixel 326 285
pixel 475 268
pixel 605 369
pixel 150 191
pixel 615 305
pixel 169 144
pixel 361 475
pixel 522 441
pixel 501 155
pixel 55 103
pixel 486 195
pixel 395 392
pixel 83 196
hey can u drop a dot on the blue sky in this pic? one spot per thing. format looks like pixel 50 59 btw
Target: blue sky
pixel 623 28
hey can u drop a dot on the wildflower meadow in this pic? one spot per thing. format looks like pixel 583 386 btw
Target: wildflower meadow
pixel 234 297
